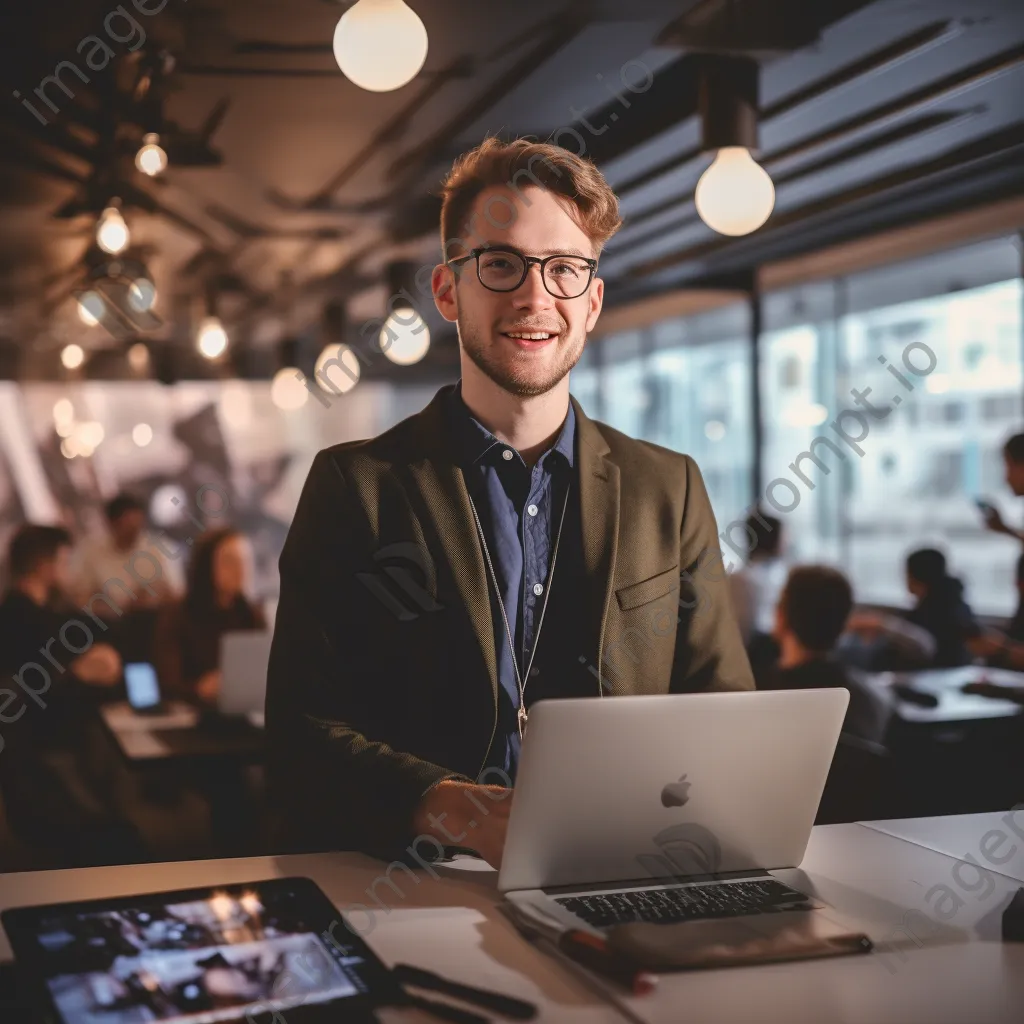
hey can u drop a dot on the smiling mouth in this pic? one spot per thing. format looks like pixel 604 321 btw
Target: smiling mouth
pixel 530 339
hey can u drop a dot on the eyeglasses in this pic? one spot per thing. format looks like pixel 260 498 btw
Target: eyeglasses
pixel 504 270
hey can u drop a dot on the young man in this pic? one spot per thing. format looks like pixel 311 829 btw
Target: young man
pixel 810 617
pixel 37 563
pixel 1013 463
pixel 51 682
pixel 941 609
pixel 497 548
pixel 115 563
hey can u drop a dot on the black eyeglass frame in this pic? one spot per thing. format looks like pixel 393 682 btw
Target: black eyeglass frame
pixel 528 262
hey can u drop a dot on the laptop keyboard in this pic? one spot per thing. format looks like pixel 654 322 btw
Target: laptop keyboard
pixel 686 903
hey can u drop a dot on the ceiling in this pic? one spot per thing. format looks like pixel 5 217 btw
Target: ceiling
pixel 291 189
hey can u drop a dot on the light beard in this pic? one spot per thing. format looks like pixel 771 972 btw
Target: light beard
pixel 514 375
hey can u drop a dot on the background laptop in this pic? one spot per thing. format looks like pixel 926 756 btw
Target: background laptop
pixel 244 657
pixel 667 808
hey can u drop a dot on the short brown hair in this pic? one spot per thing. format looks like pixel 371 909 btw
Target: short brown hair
pixel 816 602
pixel 495 162
pixel 33 545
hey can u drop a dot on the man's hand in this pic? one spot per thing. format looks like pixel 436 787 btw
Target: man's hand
pixel 464 814
pixel 983 688
pixel 208 687
pixel 99 666
pixel 994 521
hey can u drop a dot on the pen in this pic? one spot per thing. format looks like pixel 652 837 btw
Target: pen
pixel 497 1002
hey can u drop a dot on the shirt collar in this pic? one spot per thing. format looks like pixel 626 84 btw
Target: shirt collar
pixel 473 440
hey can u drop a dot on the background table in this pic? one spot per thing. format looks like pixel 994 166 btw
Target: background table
pixel 959 757
pixel 175 734
pixel 925 969
pixel 955 706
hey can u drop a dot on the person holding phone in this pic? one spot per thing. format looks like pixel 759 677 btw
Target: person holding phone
pixel 188 633
pixel 1013 462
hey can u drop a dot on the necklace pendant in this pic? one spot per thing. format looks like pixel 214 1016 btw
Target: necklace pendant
pixel 522 721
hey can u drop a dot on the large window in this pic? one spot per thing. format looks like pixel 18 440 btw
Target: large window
pixel 906 381
pixel 686 385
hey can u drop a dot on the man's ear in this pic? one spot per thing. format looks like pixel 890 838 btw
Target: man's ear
pixel 595 297
pixel 442 286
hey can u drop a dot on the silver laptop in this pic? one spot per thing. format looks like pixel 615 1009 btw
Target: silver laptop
pixel 667 808
pixel 244 657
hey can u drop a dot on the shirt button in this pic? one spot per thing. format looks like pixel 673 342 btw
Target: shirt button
pixel 534 671
pixel 532 509
pixel 507 454
pixel 538 588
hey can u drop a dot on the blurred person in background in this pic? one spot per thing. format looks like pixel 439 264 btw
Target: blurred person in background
pixel 37 560
pixel 938 632
pixel 1003 648
pixel 1013 463
pixel 754 589
pixel 216 601
pixel 941 608
pixel 51 767
pixel 123 555
pixel 811 614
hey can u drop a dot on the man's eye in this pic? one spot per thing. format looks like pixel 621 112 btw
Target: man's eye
pixel 498 263
pixel 565 269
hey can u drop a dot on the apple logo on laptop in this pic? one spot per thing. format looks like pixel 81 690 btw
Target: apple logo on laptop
pixel 675 794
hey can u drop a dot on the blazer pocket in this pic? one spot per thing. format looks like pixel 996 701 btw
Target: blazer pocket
pixel 649 589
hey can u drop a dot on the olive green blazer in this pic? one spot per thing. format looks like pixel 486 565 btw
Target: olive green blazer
pixel 383 676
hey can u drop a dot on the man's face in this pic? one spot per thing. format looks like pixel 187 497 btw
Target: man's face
pixel 127 528
pixel 538 224
pixel 1014 476
pixel 59 570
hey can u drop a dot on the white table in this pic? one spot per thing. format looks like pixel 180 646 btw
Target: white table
pixel 955 706
pixel 967 835
pixel 951 973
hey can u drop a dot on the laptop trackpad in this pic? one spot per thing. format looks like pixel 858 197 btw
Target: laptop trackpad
pixel 761 938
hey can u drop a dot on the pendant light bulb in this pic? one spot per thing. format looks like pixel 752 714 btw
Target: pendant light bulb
pixel 212 339
pixel 735 195
pixel 112 233
pixel 151 159
pixel 380 44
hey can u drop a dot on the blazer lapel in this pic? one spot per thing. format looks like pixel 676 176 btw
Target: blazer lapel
pixel 442 489
pixel 599 515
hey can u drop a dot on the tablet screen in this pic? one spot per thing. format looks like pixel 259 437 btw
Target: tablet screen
pixel 199 957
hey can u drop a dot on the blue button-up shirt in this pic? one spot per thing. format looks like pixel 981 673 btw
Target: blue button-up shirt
pixel 519 508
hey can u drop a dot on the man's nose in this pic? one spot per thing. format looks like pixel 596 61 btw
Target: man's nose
pixel 532 292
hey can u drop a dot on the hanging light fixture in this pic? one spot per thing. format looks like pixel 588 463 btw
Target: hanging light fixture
pixel 735 195
pixel 405 337
pixel 343 360
pixel 211 338
pixel 151 159
pixel 288 389
pixel 112 234
pixel 142 295
pixel 72 356
pixel 380 44
pixel 91 308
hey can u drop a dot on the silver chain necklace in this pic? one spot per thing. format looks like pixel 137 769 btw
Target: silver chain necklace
pixel 520 679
